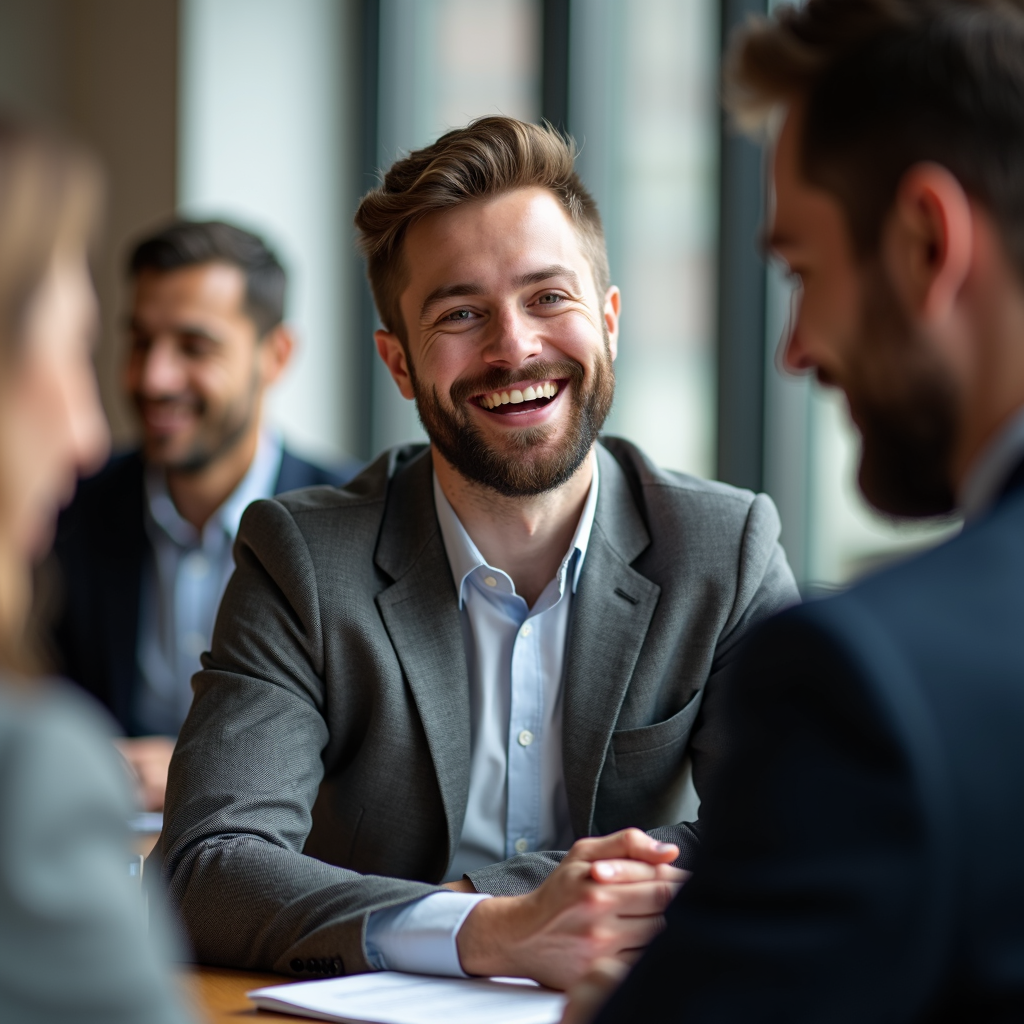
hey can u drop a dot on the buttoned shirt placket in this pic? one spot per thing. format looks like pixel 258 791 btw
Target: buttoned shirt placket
pixel 182 587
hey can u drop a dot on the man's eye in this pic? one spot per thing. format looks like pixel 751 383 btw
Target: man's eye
pixel 458 316
pixel 550 299
pixel 196 346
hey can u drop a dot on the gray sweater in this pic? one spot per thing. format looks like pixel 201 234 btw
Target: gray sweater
pixel 73 939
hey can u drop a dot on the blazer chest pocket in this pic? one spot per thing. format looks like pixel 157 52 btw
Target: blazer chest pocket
pixel 645 772
pixel 651 738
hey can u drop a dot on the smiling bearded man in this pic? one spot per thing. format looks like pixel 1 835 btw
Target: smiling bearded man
pixel 436 686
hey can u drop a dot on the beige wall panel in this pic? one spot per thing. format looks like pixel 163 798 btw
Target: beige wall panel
pixel 122 100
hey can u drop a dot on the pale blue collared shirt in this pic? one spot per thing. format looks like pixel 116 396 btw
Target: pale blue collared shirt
pixel 517 803
pixel 182 585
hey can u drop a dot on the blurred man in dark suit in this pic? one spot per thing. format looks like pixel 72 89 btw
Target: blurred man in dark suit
pixel 145 549
pixel 861 858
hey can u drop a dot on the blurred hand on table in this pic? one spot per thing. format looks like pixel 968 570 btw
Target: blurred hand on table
pixel 148 758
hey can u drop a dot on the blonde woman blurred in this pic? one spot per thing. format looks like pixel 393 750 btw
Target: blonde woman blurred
pixel 73 943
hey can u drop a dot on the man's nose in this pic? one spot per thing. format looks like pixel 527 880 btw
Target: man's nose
pixel 162 372
pixel 513 340
pixel 794 354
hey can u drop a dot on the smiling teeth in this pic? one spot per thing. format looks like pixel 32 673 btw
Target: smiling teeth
pixel 514 397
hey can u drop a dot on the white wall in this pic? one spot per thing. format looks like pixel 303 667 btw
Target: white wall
pixel 263 124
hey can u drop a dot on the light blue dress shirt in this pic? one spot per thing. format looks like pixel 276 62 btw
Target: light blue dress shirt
pixel 517 803
pixel 182 584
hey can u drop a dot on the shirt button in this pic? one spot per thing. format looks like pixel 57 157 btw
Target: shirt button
pixel 526 630
pixel 522 846
pixel 525 738
pixel 490 581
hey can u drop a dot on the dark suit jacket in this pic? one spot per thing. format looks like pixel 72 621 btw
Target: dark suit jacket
pixel 862 858
pixel 100 548
pixel 323 770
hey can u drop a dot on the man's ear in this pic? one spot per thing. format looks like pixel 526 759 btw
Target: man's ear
pixel 276 348
pixel 392 351
pixel 929 240
pixel 611 312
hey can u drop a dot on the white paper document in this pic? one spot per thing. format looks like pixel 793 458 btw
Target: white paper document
pixel 388 997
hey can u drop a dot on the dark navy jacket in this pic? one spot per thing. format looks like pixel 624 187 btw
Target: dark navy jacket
pixel 100 549
pixel 863 857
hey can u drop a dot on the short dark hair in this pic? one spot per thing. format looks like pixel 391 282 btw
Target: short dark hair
pixel 489 157
pixel 892 83
pixel 187 243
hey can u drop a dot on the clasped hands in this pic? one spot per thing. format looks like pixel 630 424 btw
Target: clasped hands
pixel 606 900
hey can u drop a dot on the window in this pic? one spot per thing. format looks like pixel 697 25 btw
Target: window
pixel 643 105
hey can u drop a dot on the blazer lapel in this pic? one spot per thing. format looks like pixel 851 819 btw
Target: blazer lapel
pixel 420 611
pixel 612 611
pixel 118 564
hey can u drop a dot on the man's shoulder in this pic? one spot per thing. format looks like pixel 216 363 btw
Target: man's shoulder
pixel 949 614
pixel 122 474
pixel 349 511
pixel 976 577
pixel 685 511
pixel 356 526
pixel 109 502
pixel 673 489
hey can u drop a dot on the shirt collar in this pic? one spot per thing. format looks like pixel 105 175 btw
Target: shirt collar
pixel 991 469
pixel 464 557
pixel 259 482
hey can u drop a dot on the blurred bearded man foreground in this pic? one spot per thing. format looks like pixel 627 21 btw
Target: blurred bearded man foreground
pixel 426 687
pixel 861 856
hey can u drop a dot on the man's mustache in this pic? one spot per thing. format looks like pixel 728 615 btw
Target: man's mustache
pixel 193 402
pixel 500 379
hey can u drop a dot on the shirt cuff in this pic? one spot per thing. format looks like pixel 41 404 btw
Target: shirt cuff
pixel 419 937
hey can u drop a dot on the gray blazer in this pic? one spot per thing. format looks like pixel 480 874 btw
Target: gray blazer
pixel 323 771
pixel 73 942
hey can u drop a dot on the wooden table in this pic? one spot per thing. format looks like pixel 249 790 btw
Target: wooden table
pixel 218 994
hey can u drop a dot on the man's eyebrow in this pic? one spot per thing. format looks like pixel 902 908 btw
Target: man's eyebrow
pixel 546 273
pixel 193 330
pixel 449 291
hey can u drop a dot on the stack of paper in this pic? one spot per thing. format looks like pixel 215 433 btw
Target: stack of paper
pixel 388 997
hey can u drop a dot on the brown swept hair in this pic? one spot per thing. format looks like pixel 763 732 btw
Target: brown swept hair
pixel 49 196
pixel 890 83
pixel 489 157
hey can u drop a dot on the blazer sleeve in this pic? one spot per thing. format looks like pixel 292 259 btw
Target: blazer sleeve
pixel 246 772
pixel 822 887
pixel 72 921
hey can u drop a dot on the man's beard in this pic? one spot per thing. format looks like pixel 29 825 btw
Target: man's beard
pixel 216 434
pixel 522 464
pixel 904 402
